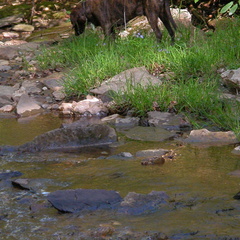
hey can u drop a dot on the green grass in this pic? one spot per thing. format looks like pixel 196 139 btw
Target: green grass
pixel 194 59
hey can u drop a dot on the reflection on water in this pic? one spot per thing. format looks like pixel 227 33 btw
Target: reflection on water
pixel 198 183
pixel 15 131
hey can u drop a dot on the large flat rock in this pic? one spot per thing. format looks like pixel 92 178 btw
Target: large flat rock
pixel 71 137
pixel 72 201
pixel 134 77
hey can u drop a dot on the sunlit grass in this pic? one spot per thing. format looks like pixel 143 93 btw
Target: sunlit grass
pixel 194 59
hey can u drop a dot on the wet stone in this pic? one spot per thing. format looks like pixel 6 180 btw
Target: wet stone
pixel 5 101
pixel 127 122
pixel 151 152
pixel 149 134
pixel 236 150
pixel 137 204
pixel 9 174
pixel 153 160
pixel 26 105
pixel 235 173
pixel 71 137
pixel 71 201
pixel 203 136
pixel 121 156
pixel 168 121
pixel 4 68
pixel 35 185
pixel 237 196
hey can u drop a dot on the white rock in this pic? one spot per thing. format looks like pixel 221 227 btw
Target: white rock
pixel 66 107
pixel 6 108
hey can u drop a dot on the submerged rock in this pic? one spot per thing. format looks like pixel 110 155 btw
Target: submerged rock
pixel 36 184
pixel 71 201
pixel 237 196
pixel 151 152
pixel 149 134
pixel 9 174
pixel 121 156
pixel 71 137
pixel 204 136
pixel 153 160
pixel 136 204
pixel 236 150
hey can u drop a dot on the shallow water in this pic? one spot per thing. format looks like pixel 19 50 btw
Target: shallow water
pixel 198 183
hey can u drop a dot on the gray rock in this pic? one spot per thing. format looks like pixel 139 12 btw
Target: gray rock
pixel 71 137
pixel 232 78
pixel 127 122
pixel 36 184
pixel 10 20
pixel 111 119
pixel 27 46
pixel 5 101
pixel 237 196
pixel 204 136
pixel 4 68
pixel 6 92
pixel 168 121
pixel 9 174
pixel 134 76
pixel 136 204
pixel 53 82
pixel 149 134
pixel 11 52
pixel 72 201
pixel 6 95
pixel 18 93
pixel 31 87
pixel 27 105
pixel 59 95
pixel 83 122
pixel 8 53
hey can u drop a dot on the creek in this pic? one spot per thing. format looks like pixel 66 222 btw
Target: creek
pixel 198 183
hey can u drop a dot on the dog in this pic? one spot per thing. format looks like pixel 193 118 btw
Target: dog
pixel 111 13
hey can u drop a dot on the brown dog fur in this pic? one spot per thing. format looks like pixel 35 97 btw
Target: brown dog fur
pixel 111 13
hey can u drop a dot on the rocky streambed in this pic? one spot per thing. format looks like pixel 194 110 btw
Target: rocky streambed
pixel 133 186
pixel 107 176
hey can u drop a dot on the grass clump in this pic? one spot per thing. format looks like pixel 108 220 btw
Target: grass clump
pixel 194 60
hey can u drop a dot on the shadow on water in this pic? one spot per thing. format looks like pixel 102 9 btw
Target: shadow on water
pixel 198 182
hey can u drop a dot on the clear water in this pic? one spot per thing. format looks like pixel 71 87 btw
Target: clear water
pixel 198 183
